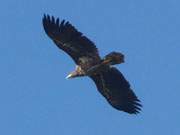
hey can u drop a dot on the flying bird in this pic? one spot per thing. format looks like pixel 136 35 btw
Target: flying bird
pixel 109 80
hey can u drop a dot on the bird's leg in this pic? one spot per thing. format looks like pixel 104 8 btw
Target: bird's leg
pixel 96 69
pixel 92 70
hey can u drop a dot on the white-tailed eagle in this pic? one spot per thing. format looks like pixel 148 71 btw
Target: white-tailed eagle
pixel 109 80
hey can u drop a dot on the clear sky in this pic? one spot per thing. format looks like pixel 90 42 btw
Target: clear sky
pixel 35 97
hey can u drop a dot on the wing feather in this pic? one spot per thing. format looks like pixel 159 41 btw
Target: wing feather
pixel 116 89
pixel 69 39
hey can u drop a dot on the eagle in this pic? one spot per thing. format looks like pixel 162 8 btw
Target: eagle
pixel 109 81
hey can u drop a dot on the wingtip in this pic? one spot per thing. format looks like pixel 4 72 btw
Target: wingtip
pixel 47 17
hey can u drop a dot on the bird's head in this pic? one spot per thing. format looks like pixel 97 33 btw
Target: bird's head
pixel 72 75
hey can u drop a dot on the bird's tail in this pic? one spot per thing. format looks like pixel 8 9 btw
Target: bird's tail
pixel 113 58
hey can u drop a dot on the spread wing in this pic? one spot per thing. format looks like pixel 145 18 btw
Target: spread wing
pixel 116 89
pixel 69 39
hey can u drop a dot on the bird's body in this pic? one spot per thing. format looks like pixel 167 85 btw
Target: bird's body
pixel 109 81
pixel 88 66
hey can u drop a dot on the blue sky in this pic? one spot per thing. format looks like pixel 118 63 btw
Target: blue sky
pixel 35 97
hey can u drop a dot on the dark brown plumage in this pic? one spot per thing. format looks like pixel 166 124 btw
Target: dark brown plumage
pixel 109 81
